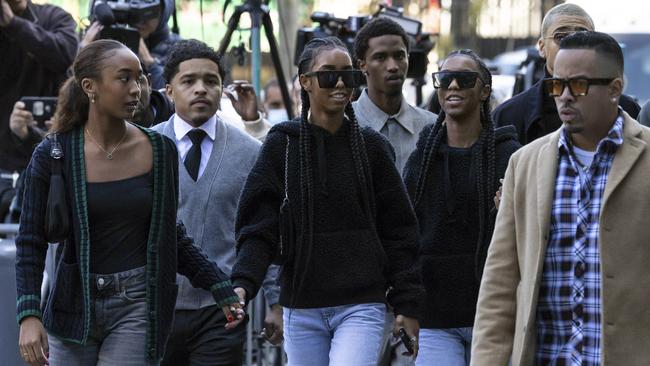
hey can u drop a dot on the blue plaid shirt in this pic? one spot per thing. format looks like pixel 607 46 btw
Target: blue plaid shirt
pixel 569 307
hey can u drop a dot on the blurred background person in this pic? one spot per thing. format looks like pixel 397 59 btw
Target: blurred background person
pixel 296 101
pixel 37 45
pixel 273 103
pixel 154 106
pixel 644 115
pixel 155 41
pixel 533 112
pixel 244 114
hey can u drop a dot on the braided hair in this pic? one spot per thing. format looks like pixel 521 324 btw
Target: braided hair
pixel 357 145
pixel 483 156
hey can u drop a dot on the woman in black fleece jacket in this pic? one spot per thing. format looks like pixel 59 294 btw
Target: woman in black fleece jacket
pixel 355 230
pixel 452 177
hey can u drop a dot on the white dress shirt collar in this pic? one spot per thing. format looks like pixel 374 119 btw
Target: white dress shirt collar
pixel 181 127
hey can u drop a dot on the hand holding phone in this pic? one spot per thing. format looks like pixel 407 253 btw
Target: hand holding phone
pixel 41 108
pixel 406 340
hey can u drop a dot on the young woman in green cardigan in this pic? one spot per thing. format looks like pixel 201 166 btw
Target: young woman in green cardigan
pixel 112 298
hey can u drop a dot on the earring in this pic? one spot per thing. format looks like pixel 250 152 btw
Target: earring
pixel 91 96
pixel 613 100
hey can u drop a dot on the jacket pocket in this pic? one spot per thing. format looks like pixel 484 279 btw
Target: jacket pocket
pixel 67 293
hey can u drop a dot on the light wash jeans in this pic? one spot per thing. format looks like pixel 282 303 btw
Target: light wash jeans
pixel 118 327
pixel 448 347
pixel 334 336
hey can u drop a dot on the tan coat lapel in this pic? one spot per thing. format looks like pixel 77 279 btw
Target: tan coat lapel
pixel 625 157
pixel 546 174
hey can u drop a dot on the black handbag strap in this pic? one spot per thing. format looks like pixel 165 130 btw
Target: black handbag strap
pixel 286 170
pixel 56 153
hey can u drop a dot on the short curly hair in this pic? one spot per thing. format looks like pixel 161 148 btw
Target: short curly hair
pixel 377 27
pixel 190 49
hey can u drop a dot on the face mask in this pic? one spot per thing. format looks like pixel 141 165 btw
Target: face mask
pixel 275 116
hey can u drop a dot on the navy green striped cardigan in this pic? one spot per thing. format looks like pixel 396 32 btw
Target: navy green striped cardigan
pixel 66 313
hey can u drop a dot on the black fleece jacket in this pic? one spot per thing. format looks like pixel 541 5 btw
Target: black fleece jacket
pixel 349 263
pixel 448 220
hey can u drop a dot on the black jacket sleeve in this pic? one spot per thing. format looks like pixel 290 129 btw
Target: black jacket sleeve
pixel 55 44
pixel 397 229
pixel 256 227
pixel 201 271
pixel 31 245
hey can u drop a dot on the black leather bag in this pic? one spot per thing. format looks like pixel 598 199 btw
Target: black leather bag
pixel 57 215
pixel 285 219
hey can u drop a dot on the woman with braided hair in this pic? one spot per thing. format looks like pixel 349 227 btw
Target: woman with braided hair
pixel 355 230
pixel 452 177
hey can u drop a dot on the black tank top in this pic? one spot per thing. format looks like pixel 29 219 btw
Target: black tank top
pixel 119 214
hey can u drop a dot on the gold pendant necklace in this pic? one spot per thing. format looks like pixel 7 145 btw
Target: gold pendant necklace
pixel 109 155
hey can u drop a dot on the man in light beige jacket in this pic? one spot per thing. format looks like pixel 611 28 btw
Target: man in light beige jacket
pixel 567 278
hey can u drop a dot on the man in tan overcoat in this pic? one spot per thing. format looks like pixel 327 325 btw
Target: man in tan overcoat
pixel 567 278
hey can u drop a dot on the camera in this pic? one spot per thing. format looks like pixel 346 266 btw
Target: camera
pixel 120 17
pixel 330 26
pixel 346 29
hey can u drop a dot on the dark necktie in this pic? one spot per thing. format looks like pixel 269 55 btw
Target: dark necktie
pixel 193 157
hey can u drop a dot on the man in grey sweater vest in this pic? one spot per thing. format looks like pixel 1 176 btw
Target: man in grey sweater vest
pixel 215 158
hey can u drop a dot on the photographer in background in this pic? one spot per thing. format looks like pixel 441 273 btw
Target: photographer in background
pixel 273 103
pixel 155 41
pixel 37 45
pixel 153 106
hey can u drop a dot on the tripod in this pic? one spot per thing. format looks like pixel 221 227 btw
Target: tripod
pixel 259 14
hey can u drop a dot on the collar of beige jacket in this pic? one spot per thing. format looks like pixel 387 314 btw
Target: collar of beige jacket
pixel 625 158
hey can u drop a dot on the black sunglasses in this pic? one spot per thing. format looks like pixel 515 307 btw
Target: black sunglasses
pixel 464 79
pixel 577 86
pixel 329 78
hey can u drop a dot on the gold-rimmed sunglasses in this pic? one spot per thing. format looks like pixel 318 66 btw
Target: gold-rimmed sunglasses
pixel 577 86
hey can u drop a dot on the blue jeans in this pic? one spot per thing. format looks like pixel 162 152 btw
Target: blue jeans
pixel 449 347
pixel 334 336
pixel 118 326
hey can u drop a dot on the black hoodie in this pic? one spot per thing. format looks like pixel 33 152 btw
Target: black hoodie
pixel 348 264
pixel 448 215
